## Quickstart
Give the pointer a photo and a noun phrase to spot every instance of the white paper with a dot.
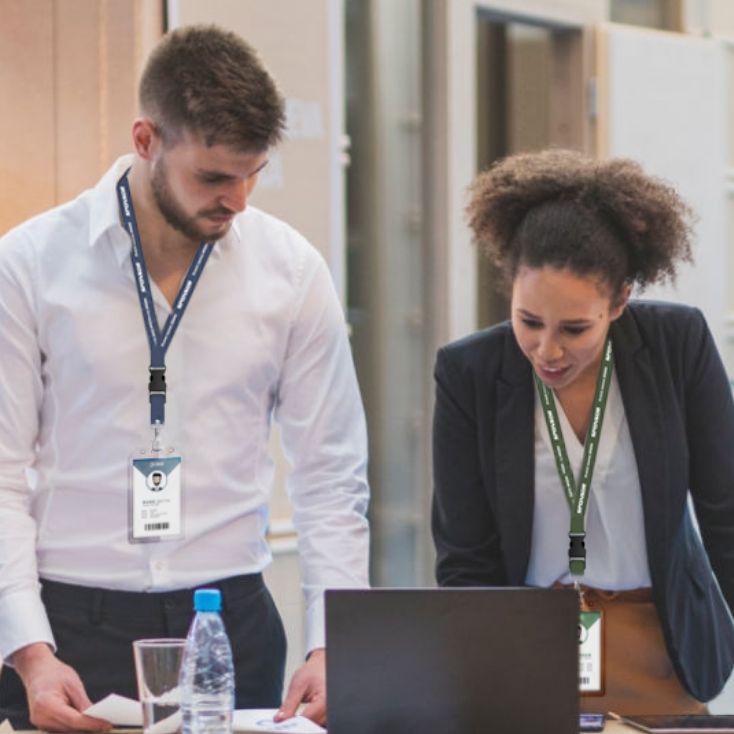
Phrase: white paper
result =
(123, 711)
(6, 727)
(117, 710)
(261, 720)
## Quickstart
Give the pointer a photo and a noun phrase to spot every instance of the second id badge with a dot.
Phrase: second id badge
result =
(591, 650)
(155, 497)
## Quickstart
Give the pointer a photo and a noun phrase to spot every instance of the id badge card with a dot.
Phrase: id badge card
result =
(591, 651)
(155, 497)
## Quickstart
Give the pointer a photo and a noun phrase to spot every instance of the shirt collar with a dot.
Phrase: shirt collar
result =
(104, 213)
(104, 216)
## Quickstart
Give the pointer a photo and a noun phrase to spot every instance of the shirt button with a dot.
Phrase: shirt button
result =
(159, 565)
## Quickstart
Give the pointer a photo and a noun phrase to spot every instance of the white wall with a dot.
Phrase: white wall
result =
(663, 103)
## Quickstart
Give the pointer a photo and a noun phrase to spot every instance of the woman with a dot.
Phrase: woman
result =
(572, 237)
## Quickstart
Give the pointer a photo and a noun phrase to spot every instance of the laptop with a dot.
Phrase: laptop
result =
(452, 661)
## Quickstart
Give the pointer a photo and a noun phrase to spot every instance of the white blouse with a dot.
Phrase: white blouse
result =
(616, 555)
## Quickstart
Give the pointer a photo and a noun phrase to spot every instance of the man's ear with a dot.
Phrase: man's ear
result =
(146, 138)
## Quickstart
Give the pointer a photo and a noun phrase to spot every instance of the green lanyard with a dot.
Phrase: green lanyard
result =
(577, 494)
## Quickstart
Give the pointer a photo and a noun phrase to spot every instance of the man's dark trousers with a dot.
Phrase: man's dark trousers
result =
(94, 630)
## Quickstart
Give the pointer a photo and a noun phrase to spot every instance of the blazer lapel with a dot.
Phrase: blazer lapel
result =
(514, 460)
(640, 396)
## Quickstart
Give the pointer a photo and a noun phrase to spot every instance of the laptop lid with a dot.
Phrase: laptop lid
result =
(452, 661)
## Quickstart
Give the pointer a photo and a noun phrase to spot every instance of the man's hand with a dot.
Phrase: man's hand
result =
(56, 695)
(308, 686)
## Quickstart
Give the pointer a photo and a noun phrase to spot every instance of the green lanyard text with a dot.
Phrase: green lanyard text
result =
(577, 493)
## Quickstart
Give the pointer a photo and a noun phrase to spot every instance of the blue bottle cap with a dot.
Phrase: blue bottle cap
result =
(207, 600)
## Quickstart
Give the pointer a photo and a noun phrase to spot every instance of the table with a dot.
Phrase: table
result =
(611, 727)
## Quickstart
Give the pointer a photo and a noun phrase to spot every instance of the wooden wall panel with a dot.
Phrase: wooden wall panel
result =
(130, 30)
(68, 73)
(78, 71)
(27, 141)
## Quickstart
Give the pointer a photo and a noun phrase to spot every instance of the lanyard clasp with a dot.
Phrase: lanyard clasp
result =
(157, 381)
(577, 552)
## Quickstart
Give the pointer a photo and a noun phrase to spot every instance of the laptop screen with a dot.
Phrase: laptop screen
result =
(452, 661)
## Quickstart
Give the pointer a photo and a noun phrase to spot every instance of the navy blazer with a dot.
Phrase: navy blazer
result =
(680, 413)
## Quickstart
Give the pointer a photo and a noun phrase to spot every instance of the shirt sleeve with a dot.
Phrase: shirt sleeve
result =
(23, 618)
(325, 440)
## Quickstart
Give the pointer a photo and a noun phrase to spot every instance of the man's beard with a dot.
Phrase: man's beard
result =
(173, 212)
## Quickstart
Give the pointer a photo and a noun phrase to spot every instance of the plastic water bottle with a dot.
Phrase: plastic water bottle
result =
(207, 674)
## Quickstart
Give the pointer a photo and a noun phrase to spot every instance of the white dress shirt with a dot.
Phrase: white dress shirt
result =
(263, 338)
(616, 554)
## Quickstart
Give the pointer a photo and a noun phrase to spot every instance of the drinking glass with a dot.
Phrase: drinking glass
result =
(157, 665)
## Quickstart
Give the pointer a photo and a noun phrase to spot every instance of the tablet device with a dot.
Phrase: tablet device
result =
(669, 724)
(591, 722)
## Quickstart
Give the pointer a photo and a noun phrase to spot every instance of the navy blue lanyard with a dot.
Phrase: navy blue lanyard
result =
(158, 341)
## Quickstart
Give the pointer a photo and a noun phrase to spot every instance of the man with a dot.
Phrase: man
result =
(132, 345)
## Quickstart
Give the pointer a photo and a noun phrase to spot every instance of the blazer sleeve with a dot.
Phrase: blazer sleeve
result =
(464, 529)
(710, 435)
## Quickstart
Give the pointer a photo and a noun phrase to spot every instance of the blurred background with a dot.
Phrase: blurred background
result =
(393, 106)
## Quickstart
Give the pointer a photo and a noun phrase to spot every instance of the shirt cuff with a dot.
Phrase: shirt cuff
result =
(23, 621)
(315, 625)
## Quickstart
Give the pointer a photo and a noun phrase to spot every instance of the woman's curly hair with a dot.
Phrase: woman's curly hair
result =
(563, 209)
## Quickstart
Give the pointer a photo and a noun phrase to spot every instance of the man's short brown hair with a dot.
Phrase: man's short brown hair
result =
(209, 82)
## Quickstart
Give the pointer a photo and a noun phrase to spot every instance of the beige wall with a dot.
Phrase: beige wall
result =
(572, 12)
(301, 183)
(708, 16)
(68, 75)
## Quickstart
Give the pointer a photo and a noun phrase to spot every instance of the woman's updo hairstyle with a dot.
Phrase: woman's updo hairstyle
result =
(563, 209)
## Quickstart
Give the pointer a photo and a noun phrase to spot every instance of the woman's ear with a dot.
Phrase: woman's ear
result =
(620, 302)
